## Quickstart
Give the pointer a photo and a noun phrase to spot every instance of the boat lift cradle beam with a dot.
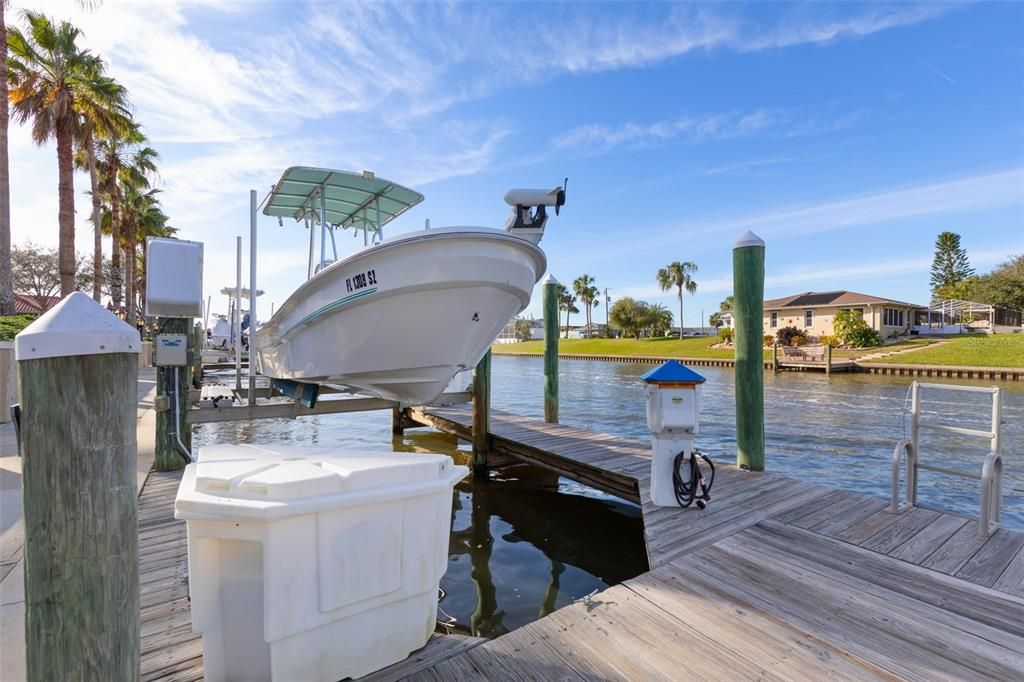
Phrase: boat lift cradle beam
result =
(907, 451)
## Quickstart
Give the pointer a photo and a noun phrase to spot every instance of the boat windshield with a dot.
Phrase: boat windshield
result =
(335, 199)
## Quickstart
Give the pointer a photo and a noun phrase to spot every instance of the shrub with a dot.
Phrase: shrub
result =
(798, 340)
(768, 339)
(830, 340)
(851, 328)
(786, 334)
(725, 333)
(10, 325)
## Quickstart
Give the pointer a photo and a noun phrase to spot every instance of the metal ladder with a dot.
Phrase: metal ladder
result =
(991, 475)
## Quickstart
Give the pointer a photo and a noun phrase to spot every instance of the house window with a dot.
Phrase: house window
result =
(774, 320)
(892, 317)
(808, 318)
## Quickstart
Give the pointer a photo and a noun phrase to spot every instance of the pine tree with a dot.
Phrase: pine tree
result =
(950, 265)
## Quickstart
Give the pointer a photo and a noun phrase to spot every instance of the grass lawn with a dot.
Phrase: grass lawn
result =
(1000, 350)
(695, 347)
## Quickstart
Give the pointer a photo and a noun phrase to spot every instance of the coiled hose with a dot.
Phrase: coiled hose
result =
(687, 491)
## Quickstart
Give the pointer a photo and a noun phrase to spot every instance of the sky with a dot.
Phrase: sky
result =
(846, 135)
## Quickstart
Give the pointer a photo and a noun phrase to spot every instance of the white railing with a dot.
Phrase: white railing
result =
(991, 476)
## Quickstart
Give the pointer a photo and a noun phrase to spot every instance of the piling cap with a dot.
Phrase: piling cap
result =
(672, 372)
(550, 279)
(77, 325)
(748, 238)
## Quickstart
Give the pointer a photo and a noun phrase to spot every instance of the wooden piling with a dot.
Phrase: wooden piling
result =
(828, 360)
(397, 421)
(775, 356)
(166, 454)
(78, 372)
(481, 413)
(550, 349)
(198, 341)
(748, 313)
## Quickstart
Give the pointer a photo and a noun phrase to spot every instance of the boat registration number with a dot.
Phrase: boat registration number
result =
(361, 280)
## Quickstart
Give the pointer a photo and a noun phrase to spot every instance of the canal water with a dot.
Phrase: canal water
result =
(524, 543)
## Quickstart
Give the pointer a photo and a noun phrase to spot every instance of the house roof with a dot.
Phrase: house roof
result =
(811, 299)
(24, 303)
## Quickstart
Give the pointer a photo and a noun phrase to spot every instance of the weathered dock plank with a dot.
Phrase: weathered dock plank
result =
(777, 579)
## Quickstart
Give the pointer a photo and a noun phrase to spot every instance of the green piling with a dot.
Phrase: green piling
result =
(748, 313)
(550, 349)
(166, 454)
(481, 413)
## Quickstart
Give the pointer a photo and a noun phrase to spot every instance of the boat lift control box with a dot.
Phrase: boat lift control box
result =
(174, 278)
(673, 417)
(312, 563)
(170, 350)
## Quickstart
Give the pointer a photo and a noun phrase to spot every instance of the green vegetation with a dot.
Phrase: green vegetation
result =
(852, 330)
(1000, 350)
(10, 325)
(1004, 286)
(694, 347)
(950, 265)
(680, 276)
(633, 317)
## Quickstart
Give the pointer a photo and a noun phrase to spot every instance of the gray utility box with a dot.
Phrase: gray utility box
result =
(171, 350)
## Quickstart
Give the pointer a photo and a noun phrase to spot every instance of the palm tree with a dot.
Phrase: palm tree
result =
(6, 277)
(136, 200)
(587, 293)
(566, 302)
(678, 275)
(51, 78)
(103, 119)
(152, 223)
(114, 153)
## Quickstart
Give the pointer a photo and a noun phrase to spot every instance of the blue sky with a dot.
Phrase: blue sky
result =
(846, 135)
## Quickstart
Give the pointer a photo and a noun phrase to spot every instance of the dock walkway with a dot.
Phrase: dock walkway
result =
(777, 579)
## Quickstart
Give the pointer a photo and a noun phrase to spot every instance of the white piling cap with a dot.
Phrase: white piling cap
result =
(748, 238)
(77, 325)
(550, 279)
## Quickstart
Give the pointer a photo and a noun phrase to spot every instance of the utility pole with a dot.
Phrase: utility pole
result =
(607, 320)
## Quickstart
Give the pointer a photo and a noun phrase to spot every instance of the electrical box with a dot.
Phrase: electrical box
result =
(174, 278)
(171, 350)
(672, 408)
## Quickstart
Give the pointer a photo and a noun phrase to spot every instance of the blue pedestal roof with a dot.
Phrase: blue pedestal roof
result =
(673, 372)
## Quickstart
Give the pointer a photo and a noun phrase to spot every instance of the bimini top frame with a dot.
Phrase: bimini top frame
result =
(338, 199)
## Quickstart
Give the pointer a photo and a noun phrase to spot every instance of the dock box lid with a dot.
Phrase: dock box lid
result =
(229, 481)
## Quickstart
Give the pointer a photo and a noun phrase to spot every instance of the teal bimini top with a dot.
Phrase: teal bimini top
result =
(350, 200)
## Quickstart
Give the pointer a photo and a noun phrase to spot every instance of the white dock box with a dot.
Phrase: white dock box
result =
(314, 563)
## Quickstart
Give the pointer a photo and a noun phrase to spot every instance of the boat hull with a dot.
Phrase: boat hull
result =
(400, 319)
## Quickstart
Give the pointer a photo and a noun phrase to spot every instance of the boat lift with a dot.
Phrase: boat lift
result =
(991, 475)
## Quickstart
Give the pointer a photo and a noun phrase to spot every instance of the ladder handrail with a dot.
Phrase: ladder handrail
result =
(992, 468)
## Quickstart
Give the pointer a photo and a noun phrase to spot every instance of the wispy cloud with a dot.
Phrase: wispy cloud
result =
(989, 190)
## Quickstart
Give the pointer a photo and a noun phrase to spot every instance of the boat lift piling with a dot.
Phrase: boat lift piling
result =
(252, 295)
(481, 414)
(236, 322)
(550, 349)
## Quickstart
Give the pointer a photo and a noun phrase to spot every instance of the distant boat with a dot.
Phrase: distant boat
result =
(400, 317)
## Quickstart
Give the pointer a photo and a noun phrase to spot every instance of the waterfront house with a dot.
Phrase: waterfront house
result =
(814, 311)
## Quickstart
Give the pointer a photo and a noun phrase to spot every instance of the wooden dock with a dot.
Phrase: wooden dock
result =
(777, 579)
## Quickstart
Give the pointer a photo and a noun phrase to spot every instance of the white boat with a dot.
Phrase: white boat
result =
(399, 318)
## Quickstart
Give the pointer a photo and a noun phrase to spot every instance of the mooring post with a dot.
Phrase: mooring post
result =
(481, 413)
(78, 371)
(748, 289)
(775, 356)
(197, 352)
(397, 421)
(550, 349)
(828, 360)
(166, 454)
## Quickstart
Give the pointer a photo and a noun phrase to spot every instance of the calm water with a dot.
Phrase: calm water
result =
(524, 543)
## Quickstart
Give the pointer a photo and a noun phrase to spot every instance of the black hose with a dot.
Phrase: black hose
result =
(687, 491)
